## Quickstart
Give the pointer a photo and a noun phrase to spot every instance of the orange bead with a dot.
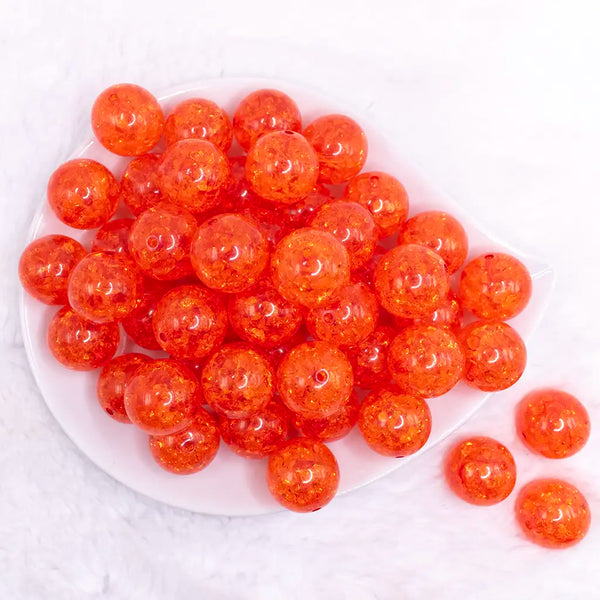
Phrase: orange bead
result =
(347, 317)
(229, 253)
(553, 423)
(139, 183)
(425, 360)
(308, 265)
(191, 174)
(45, 266)
(127, 119)
(262, 112)
(481, 471)
(80, 344)
(440, 232)
(495, 355)
(200, 119)
(411, 281)
(553, 513)
(279, 352)
(495, 286)
(369, 358)
(237, 192)
(113, 237)
(341, 146)
(189, 450)
(393, 423)
(300, 213)
(448, 314)
(162, 397)
(315, 380)
(383, 196)
(83, 193)
(112, 381)
(333, 427)
(303, 475)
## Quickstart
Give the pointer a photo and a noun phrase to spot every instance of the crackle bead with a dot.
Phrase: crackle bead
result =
(341, 146)
(308, 265)
(495, 355)
(300, 213)
(45, 266)
(495, 286)
(552, 423)
(367, 271)
(190, 322)
(229, 253)
(552, 513)
(264, 111)
(162, 397)
(201, 119)
(279, 352)
(139, 184)
(190, 449)
(303, 475)
(393, 423)
(347, 317)
(369, 358)
(481, 471)
(237, 192)
(411, 281)
(83, 193)
(80, 344)
(425, 360)
(332, 428)
(315, 379)
(448, 314)
(127, 119)
(268, 219)
(112, 380)
(113, 237)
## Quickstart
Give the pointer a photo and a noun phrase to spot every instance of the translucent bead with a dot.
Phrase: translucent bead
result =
(139, 184)
(333, 427)
(113, 237)
(369, 358)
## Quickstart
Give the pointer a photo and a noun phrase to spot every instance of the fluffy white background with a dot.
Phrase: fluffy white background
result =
(498, 101)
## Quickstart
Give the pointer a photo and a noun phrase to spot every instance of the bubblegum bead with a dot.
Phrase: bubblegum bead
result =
(308, 265)
(495, 355)
(237, 192)
(229, 253)
(341, 146)
(552, 423)
(369, 358)
(335, 426)
(83, 193)
(303, 475)
(300, 213)
(553, 513)
(315, 380)
(495, 286)
(139, 183)
(45, 266)
(481, 471)
(411, 281)
(127, 119)
(113, 236)
(80, 344)
(448, 314)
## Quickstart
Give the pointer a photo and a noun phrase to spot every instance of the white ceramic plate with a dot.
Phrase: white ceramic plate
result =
(232, 485)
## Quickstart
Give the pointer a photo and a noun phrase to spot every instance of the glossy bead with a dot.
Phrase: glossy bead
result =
(369, 358)
(300, 213)
(268, 219)
(189, 450)
(553, 513)
(279, 352)
(393, 423)
(83, 193)
(191, 174)
(139, 183)
(113, 237)
(160, 240)
(347, 317)
(315, 380)
(45, 266)
(425, 360)
(303, 475)
(190, 322)
(448, 314)
(411, 281)
(552, 423)
(237, 192)
(481, 471)
(495, 286)
(335, 426)
(440, 232)
(495, 355)
(308, 265)
(229, 253)
(341, 146)
(262, 112)
(127, 119)
(201, 119)
(80, 344)
(112, 380)
(367, 271)
(162, 397)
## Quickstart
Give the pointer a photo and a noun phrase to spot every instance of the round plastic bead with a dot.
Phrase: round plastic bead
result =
(113, 237)
(300, 213)
(83, 193)
(127, 119)
(139, 184)
(268, 219)
(369, 358)
(367, 271)
(237, 193)
(552, 423)
(303, 475)
(481, 471)
(45, 266)
(448, 314)
(279, 352)
(333, 427)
